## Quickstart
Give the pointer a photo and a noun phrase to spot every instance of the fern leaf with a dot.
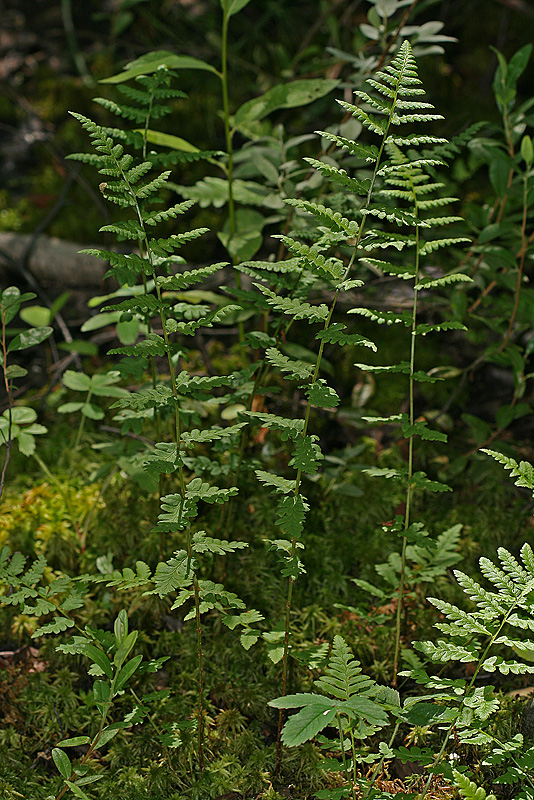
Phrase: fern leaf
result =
(523, 471)
(333, 219)
(340, 176)
(435, 244)
(271, 479)
(291, 512)
(321, 395)
(469, 789)
(170, 213)
(388, 268)
(396, 215)
(384, 317)
(295, 308)
(129, 229)
(153, 186)
(343, 678)
(296, 369)
(307, 456)
(367, 152)
(329, 266)
(373, 123)
(289, 428)
(334, 334)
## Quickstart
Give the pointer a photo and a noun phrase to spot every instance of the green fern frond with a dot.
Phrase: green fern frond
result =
(340, 176)
(295, 308)
(343, 676)
(523, 471)
(368, 153)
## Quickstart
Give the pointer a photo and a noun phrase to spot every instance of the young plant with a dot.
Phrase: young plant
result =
(103, 385)
(171, 396)
(346, 701)
(43, 596)
(484, 636)
(395, 87)
(17, 422)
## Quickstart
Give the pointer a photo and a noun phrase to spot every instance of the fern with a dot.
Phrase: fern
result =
(135, 187)
(345, 693)
(469, 789)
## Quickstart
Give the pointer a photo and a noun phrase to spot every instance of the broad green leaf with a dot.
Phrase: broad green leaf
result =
(247, 239)
(100, 658)
(287, 95)
(75, 742)
(106, 736)
(14, 371)
(81, 346)
(36, 315)
(150, 62)
(91, 411)
(77, 381)
(100, 321)
(70, 408)
(29, 338)
(168, 140)
(126, 672)
(309, 721)
(22, 415)
(62, 762)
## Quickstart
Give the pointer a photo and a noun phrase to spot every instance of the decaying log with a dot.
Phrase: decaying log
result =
(51, 261)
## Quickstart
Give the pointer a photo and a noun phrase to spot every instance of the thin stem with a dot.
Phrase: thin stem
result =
(200, 675)
(229, 150)
(82, 422)
(344, 756)
(8, 440)
(409, 487)
(522, 254)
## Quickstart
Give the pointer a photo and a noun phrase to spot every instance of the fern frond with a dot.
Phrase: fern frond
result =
(374, 124)
(295, 368)
(397, 215)
(295, 308)
(343, 677)
(333, 219)
(523, 471)
(436, 244)
(384, 317)
(340, 176)
(169, 213)
(469, 789)
(289, 428)
(445, 280)
(368, 153)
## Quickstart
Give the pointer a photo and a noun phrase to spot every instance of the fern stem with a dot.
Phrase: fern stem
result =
(409, 487)
(9, 395)
(229, 149)
(81, 426)
(344, 756)
(200, 675)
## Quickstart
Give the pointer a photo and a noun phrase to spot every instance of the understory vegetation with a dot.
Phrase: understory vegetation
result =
(265, 530)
